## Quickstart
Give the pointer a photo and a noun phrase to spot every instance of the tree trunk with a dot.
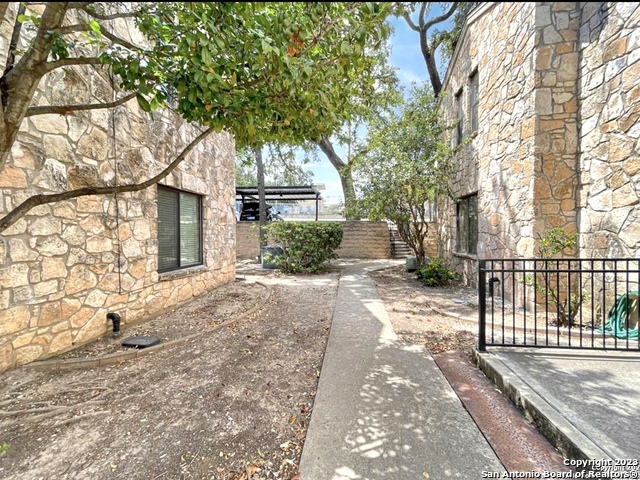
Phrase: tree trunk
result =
(19, 82)
(430, 61)
(346, 179)
(257, 151)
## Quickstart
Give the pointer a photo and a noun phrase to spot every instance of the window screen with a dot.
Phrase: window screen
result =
(179, 229)
(460, 118)
(473, 101)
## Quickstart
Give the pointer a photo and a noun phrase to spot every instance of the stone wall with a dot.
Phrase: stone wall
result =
(65, 265)
(557, 144)
(365, 240)
(247, 241)
(610, 130)
(556, 106)
(498, 161)
(360, 240)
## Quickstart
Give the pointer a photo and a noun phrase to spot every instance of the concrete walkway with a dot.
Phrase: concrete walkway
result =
(383, 409)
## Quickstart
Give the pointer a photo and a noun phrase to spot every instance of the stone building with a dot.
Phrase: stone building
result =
(548, 99)
(65, 265)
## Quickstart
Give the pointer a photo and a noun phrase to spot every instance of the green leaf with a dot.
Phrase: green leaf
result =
(95, 27)
(144, 104)
(206, 57)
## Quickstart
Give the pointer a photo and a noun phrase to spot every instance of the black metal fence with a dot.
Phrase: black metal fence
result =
(561, 303)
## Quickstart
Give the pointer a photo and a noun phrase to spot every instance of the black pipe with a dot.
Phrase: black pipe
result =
(115, 318)
(491, 282)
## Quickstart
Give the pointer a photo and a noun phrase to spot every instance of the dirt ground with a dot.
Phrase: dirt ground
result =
(231, 403)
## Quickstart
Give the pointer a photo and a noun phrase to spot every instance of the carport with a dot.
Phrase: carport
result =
(283, 194)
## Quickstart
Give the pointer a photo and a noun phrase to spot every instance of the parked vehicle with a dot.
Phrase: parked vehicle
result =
(251, 213)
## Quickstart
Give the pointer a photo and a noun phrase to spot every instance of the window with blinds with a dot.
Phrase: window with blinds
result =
(179, 229)
(467, 223)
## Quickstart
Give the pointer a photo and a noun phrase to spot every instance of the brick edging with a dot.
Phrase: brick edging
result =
(114, 358)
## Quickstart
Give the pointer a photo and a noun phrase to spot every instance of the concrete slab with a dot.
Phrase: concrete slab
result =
(383, 409)
(586, 401)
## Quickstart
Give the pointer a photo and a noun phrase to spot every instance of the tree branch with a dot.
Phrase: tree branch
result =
(100, 16)
(326, 146)
(441, 18)
(118, 40)
(67, 62)
(43, 199)
(21, 81)
(84, 27)
(412, 25)
(80, 4)
(64, 109)
(423, 9)
(78, 27)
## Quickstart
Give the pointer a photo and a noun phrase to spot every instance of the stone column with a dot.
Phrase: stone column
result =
(556, 103)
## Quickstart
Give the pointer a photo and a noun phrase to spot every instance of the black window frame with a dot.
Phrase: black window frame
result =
(459, 117)
(467, 225)
(474, 100)
(179, 265)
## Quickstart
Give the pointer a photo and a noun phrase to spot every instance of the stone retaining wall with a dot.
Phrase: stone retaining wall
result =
(360, 240)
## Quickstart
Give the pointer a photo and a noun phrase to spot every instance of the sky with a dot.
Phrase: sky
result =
(407, 58)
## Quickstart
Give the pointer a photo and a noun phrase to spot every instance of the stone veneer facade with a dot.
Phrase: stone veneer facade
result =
(65, 265)
(558, 133)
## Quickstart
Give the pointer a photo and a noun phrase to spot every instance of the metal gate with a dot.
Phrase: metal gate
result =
(560, 303)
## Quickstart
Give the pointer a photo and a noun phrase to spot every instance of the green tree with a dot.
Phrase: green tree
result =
(553, 243)
(351, 136)
(281, 167)
(266, 72)
(407, 166)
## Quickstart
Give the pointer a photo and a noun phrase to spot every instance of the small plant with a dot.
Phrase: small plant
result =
(4, 448)
(308, 246)
(436, 273)
(550, 244)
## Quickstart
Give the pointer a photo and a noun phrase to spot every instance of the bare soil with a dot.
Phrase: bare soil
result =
(232, 403)
(414, 309)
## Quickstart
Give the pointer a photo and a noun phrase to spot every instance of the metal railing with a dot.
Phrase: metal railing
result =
(559, 303)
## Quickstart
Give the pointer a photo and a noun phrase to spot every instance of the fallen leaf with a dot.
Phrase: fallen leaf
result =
(286, 445)
(425, 474)
(293, 418)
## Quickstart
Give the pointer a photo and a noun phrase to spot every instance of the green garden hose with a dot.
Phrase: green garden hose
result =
(623, 317)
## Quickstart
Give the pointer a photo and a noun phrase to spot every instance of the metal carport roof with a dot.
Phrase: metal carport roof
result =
(279, 193)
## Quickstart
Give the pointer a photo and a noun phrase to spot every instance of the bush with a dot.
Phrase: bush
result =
(436, 273)
(308, 246)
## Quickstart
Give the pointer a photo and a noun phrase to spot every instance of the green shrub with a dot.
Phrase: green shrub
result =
(436, 273)
(308, 246)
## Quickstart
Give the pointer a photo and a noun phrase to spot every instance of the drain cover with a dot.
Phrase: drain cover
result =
(140, 342)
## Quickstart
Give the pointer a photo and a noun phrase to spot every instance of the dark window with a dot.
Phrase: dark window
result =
(179, 229)
(467, 220)
(473, 101)
(460, 118)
